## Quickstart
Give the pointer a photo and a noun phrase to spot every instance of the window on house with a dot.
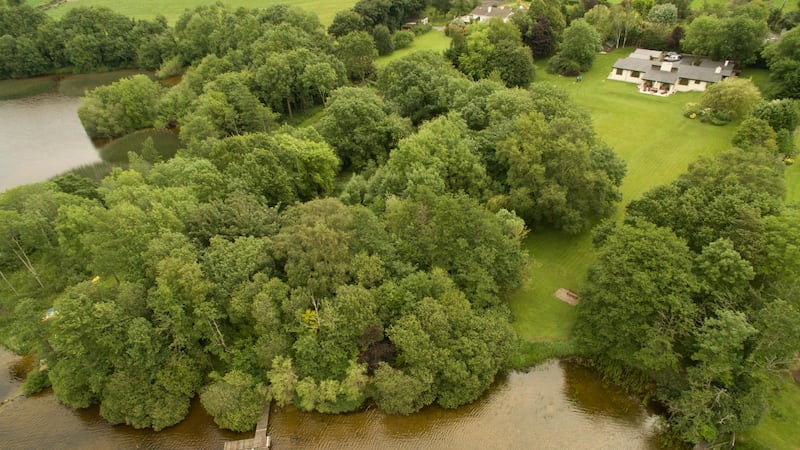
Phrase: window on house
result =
(697, 81)
(619, 71)
(635, 74)
(683, 82)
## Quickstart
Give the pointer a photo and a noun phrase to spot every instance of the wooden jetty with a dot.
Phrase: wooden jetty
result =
(259, 442)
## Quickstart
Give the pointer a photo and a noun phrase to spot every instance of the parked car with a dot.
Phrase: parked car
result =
(672, 57)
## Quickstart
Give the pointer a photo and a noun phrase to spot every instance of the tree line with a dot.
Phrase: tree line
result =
(693, 298)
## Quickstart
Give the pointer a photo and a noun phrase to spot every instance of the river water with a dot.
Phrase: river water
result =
(558, 405)
(41, 137)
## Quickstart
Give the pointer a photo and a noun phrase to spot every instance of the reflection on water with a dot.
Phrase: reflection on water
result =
(40, 137)
(523, 410)
(554, 406)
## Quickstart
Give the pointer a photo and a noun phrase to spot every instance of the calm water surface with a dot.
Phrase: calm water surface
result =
(41, 137)
(558, 405)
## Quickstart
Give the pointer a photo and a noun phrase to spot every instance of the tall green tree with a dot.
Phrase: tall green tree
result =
(357, 51)
(578, 49)
(361, 127)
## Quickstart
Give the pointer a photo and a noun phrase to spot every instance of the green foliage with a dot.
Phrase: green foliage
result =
(36, 381)
(550, 166)
(124, 106)
(493, 49)
(755, 134)
(357, 51)
(734, 97)
(731, 281)
(402, 39)
(360, 126)
(737, 38)
(578, 49)
(235, 401)
(663, 14)
(782, 114)
(419, 84)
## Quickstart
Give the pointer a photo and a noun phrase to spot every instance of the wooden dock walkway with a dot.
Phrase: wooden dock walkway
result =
(261, 440)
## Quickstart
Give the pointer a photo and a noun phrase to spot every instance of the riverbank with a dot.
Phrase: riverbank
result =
(73, 85)
(555, 405)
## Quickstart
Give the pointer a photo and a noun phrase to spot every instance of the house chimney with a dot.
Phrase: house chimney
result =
(490, 9)
(718, 69)
(726, 63)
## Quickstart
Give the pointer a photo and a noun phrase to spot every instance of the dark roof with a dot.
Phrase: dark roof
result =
(661, 76)
(637, 64)
(705, 70)
(643, 53)
(700, 73)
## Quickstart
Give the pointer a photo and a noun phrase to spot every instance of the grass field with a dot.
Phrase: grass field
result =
(779, 427)
(116, 151)
(697, 5)
(148, 9)
(25, 87)
(432, 40)
(658, 144)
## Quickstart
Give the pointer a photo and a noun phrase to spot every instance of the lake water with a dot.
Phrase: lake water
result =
(41, 137)
(558, 405)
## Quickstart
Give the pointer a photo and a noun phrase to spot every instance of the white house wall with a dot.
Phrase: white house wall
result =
(693, 86)
(626, 76)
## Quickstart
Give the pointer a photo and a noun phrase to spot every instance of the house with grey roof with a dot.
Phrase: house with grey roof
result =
(484, 13)
(654, 75)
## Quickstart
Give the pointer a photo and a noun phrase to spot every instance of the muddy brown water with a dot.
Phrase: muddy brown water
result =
(558, 405)
(40, 137)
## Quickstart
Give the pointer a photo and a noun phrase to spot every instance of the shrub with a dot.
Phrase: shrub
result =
(36, 382)
(422, 28)
(402, 39)
(563, 66)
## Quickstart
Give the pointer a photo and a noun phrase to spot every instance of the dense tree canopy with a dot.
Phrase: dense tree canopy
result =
(367, 257)
(701, 342)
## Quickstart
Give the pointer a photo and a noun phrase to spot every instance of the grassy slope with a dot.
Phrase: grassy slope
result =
(779, 427)
(658, 144)
(432, 40)
(148, 9)
(116, 151)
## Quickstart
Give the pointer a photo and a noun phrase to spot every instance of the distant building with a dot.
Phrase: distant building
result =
(485, 13)
(654, 75)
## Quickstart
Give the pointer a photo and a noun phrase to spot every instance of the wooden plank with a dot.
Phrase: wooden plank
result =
(260, 442)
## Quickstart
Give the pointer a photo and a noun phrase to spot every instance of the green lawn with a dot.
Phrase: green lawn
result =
(779, 427)
(697, 5)
(432, 40)
(657, 142)
(148, 9)
(116, 151)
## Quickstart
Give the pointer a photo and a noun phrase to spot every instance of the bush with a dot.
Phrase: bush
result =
(422, 28)
(402, 39)
(706, 115)
(36, 382)
(563, 66)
